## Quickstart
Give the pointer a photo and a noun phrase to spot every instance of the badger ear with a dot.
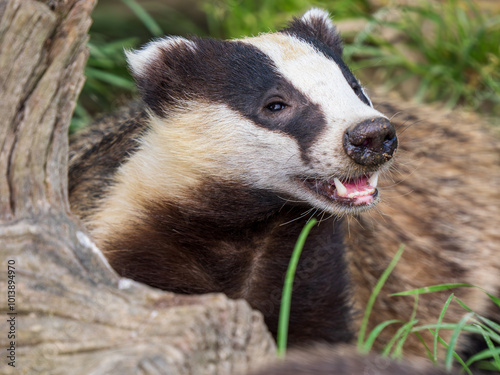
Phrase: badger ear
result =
(157, 69)
(150, 55)
(316, 24)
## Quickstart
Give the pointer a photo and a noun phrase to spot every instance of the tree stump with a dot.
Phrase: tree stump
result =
(64, 310)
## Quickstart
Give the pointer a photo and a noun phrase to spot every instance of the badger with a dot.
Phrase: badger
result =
(205, 184)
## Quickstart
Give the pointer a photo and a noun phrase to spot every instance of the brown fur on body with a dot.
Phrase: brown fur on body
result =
(344, 360)
(440, 202)
(443, 203)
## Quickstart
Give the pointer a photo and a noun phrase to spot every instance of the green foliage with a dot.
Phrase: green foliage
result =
(488, 359)
(286, 298)
(365, 346)
(145, 18)
(239, 18)
(106, 77)
(471, 322)
(108, 82)
(451, 47)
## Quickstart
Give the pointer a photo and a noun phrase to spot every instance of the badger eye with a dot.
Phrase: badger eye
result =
(276, 106)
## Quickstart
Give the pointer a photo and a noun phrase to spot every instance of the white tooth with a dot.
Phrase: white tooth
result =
(341, 190)
(372, 181)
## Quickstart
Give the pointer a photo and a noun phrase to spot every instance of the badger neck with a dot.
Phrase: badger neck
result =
(205, 209)
(239, 241)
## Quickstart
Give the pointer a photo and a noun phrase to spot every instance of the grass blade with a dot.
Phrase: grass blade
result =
(440, 320)
(144, 16)
(375, 293)
(495, 299)
(448, 362)
(493, 352)
(485, 354)
(427, 350)
(491, 324)
(367, 346)
(398, 351)
(397, 338)
(432, 289)
(110, 78)
(286, 297)
(463, 305)
(457, 357)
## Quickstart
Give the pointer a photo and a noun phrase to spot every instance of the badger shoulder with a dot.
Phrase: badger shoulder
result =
(96, 152)
(440, 205)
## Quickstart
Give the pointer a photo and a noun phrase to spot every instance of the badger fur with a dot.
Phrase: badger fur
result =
(205, 185)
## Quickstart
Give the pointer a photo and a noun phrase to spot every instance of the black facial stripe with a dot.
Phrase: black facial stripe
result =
(307, 122)
(234, 73)
(305, 127)
(336, 57)
(316, 29)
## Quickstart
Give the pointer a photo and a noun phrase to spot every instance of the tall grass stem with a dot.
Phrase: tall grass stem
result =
(286, 297)
(373, 297)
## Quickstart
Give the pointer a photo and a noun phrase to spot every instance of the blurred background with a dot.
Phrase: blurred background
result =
(442, 51)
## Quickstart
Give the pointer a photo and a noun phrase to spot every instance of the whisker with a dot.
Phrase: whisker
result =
(314, 213)
(409, 126)
(356, 219)
(322, 216)
(290, 200)
(298, 218)
(394, 115)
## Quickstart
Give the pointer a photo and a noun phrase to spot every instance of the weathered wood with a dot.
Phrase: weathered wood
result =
(74, 314)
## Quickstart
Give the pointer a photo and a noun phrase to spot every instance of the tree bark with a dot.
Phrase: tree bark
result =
(69, 312)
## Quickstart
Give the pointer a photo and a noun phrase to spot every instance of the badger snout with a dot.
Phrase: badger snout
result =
(371, 142)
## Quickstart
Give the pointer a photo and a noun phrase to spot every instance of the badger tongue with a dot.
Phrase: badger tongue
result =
(360, 191)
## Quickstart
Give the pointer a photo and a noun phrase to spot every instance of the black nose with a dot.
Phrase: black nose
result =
(371, 142)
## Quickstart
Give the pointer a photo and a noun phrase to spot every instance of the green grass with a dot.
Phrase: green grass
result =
(107, 79)
(455, 54)
(365, 346)
(451, 47)
(109, 83)
(146, 19)
(286, 297)
(471, 322)
(239, 18)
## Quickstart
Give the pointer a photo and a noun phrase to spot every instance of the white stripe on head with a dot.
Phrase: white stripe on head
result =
(315, 75)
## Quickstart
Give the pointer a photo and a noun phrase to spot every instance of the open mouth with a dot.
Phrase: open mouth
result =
(359, 191)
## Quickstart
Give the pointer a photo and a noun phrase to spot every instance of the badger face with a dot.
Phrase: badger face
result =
(279, 112)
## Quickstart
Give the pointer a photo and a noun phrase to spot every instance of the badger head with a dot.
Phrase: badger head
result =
(279, 112)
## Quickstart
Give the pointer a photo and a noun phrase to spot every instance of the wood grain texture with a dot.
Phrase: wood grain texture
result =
(74, 314)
